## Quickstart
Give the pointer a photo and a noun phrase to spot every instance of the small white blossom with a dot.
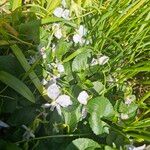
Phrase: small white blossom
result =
(28, 133)
(64, 100)
(60, 68)
(53, 91)
(82, 31)
(61, 101)
(58, 100)
(83, 97)
(58, 34)
(124, 116)
(103, 60)
(66, 14)
(77, 39)
(94, 62)
(129, 99)
(3, 124)
(131, 147)
(57, 31)
(58, 12)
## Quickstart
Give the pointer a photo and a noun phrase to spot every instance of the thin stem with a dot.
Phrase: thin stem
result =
(52, 136)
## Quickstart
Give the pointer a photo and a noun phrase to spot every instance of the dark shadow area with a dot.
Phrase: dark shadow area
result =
(19, 44)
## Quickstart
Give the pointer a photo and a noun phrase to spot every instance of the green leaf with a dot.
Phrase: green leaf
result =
(72, 121)
(8, 146)
(10, 64)
(25, 115)
(98, 126)
(21, 58)
(82, 144)
(16, 4)
(73, 55)
(81, 61)
(17, 85)
(98, 86)
(30, 31)
(62, 48)
(99, 108)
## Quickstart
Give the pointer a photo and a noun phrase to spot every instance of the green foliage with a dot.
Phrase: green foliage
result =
(17, 85)
(100, 108)
(83, 144)
(97, 55)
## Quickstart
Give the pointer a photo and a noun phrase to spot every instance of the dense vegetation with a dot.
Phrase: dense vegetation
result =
(74, 74)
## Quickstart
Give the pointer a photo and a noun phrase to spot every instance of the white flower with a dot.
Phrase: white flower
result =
(61, 101)
(140, 147)
(103, 60)
(77, 39)
(58, 12)
(129, 99)
(64, 100)
(124, 116)
(82, 31)
(57, 31)
(60, 68)
(58, 100)
(28, 133)
(131, 147)
(3, 125)
(58, 34)
(83, 97)
(66, 14)
(94, 62)
(53, 91)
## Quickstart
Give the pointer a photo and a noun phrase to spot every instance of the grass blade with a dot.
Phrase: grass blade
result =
(21, 58)
(17, 85)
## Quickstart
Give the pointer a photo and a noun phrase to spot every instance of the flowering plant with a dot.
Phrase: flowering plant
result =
(74, 74)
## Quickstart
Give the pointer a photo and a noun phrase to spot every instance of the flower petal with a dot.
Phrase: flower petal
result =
(77, 38)
(58, 109)
(60, 68)
(64, 100)
(124, 116)
(94, 62)
(82, 31)
(66, 14)
(83, 97)
(58, 12)
(53, 91)
(103, 60)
